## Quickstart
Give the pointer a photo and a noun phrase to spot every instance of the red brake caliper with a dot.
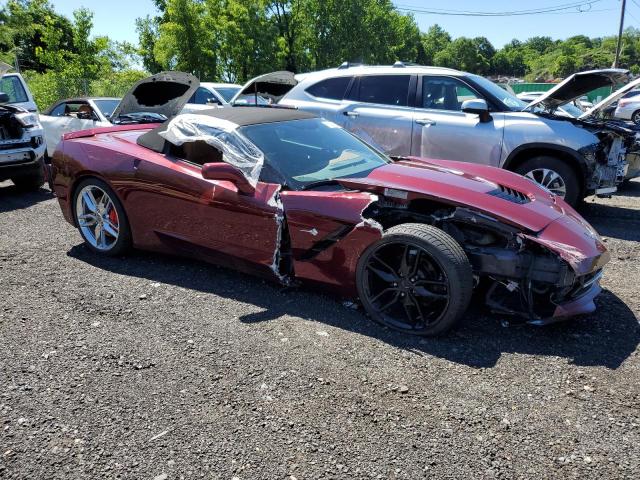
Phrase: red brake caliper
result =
(113, 216)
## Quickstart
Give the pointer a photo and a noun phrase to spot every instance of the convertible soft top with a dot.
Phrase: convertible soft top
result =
(240, 116)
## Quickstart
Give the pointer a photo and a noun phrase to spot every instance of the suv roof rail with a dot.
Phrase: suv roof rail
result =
(344, 65)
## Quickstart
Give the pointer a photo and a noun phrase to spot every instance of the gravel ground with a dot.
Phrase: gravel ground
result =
(154, 367)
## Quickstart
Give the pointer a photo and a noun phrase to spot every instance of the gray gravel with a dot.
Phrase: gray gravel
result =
(154, 367)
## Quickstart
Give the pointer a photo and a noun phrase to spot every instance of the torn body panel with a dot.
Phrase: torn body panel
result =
(328, 233)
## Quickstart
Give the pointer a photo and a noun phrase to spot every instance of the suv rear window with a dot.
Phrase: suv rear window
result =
(385, 89)
(333, 88)
(12, 86)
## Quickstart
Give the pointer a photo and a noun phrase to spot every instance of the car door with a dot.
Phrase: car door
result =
(180, 210)
(63, 118)
(443, 131)
(378, 110)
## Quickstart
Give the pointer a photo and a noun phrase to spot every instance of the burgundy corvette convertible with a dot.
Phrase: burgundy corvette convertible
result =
(286, 195)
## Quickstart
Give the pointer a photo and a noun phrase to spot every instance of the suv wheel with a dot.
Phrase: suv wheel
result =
(553, 174)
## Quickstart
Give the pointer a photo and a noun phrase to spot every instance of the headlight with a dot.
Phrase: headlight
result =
(28, 119)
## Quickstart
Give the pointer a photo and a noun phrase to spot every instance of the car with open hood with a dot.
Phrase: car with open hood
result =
(436, 112)
(606, 112)
(150, 100)
(22, 142)
(297, 199)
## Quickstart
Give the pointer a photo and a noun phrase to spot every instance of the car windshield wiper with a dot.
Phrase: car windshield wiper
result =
(320, 183)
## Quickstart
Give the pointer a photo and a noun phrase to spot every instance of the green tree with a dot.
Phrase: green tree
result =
(184, 42)
(434, 41)
(22, 32)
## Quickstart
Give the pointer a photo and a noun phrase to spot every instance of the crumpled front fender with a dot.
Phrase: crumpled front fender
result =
(575, 242)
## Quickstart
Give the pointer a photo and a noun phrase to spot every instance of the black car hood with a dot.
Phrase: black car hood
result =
(164, 93)
(580, 84)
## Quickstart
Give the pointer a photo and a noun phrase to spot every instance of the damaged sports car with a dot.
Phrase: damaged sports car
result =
(284, 194)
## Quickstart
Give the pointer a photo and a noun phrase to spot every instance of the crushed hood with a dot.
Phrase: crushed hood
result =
(580, 84)
(614, 97)
(271, 86)
(164, 93)
(473, 186)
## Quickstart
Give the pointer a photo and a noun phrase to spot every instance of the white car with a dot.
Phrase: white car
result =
(83, 113)
(628, 107)
(73, 114)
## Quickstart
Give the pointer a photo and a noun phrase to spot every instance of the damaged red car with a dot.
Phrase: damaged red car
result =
(289, 196)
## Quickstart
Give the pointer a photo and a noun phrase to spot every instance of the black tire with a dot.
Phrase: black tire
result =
(635, 117)
(123, 242)
(447, 261)
(30, 182)
(568, 175)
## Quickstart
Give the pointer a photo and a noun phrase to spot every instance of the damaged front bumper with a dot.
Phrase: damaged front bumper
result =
(555, 274)
(605, 170)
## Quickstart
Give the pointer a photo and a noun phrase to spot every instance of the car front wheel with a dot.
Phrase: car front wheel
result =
(101, 218)
(635, 117)
(416, 279)
(555, 175)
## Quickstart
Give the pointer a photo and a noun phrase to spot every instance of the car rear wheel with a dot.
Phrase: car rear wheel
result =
(417, 279)
(553, 174)
(101, 218)
(635, 117)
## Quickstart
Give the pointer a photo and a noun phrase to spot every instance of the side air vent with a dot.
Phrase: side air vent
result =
(510, 195)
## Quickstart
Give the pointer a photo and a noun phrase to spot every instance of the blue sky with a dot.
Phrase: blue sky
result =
(116, 18)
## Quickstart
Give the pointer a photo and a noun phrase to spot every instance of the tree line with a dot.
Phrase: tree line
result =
(234, 40)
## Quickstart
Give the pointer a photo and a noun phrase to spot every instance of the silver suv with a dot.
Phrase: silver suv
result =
(447, 114)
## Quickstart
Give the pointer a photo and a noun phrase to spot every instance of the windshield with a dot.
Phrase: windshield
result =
(572, 110)
(302, 152)
(510, 101)
(107, 106)
(12, 86)
(227, 92)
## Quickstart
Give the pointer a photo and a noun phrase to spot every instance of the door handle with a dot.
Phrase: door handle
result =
(136, 163)
(351, 114)
(425, 121)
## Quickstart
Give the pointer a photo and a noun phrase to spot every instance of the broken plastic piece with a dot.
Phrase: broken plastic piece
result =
(236, 149)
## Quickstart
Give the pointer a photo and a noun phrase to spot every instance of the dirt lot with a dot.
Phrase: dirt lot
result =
(153, 367)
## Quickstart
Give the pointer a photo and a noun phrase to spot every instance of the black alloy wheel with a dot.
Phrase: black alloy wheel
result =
(416, 279)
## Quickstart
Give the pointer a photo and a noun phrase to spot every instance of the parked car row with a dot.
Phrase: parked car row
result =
(377, 182)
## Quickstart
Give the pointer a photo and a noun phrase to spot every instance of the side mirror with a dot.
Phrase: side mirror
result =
(224, 171)
(478, 107)
(4, 98)
(213, 101)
